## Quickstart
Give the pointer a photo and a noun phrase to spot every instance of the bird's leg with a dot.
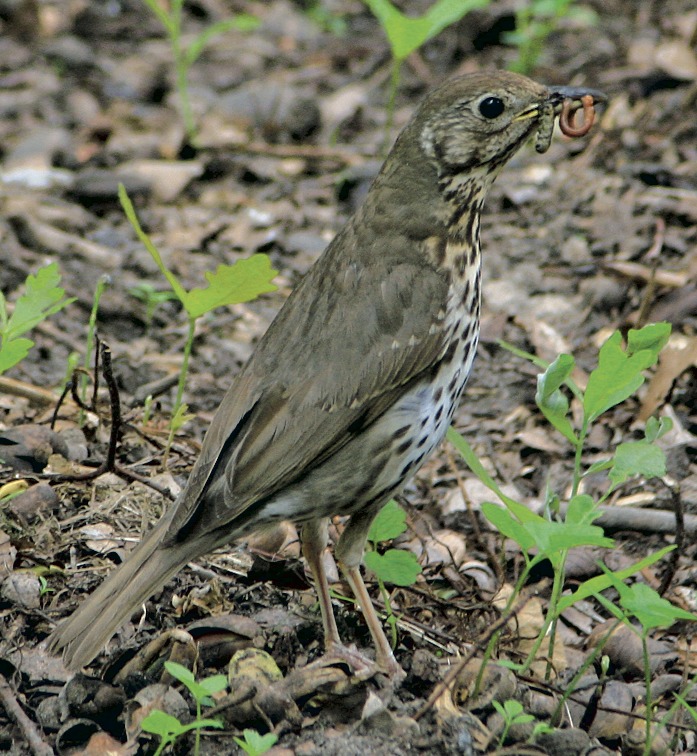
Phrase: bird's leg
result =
(349, 555)
(314, 539)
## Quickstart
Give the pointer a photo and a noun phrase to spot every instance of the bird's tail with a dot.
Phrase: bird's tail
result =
(146, 569)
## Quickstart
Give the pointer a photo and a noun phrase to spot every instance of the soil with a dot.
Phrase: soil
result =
(598, 234)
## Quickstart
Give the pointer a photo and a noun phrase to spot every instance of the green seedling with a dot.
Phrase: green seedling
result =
(42, 298)
(535, 21)
(513, 714)
(651, 611)
(689, 709)
(169, 728)
(72, 364)
(394, 566)
(230, 284)
(180, 418)
(151, 298)
(326, 19)
(44, 587)
(255, 744)
(185, 55)
(619, 374)
(407, 34)
(147, 409)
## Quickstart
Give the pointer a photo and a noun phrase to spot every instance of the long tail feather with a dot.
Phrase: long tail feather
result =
(148, 567)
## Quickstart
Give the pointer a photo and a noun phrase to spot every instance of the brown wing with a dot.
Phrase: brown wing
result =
(372, 330)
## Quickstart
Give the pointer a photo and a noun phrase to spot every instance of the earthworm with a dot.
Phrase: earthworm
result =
(567, 118)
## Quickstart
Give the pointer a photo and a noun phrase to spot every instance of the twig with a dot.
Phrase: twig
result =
(25, 390)
(28, 728)
(644, 520)
(115, 404)
(109, 464)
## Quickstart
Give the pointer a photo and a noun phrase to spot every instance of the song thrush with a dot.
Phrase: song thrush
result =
(356, 380)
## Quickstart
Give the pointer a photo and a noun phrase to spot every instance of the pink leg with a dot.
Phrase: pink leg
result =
(314, 539)
(349, 555)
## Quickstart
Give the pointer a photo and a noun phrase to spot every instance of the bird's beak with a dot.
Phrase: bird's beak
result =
(555, 99)
(564, 102)
(557, 95)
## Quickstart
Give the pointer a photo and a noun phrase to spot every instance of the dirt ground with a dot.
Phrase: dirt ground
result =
(598, 233)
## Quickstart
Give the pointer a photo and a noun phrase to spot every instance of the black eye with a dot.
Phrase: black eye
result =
(491, 107)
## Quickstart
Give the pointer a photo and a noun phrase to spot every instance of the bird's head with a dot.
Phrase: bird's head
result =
(476, 122)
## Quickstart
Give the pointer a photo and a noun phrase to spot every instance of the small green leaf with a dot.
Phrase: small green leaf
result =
(603, 464)
(199, 724)
(389, 523)
(652, 337)
(13, 352)
(581, 510)
(407, 34)
(181, 417)
(394, 566)
(255, 744)
(507, 525)
(637, 458)
(180, 672)
(550, 399)
(657, 428)
(552, 538)
(159, 723)
(232, 284)
(600, 583)
(472, 461)
(512, 708)
(652, 610)
(214, 684)
(220, 27)
(620, 371)
(42, 297)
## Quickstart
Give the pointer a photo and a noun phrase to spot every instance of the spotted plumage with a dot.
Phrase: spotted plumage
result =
(356, 380)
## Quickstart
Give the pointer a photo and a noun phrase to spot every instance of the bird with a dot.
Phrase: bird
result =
(356, 380)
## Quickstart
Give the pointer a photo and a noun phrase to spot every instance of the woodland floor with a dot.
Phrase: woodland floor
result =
(596, 234)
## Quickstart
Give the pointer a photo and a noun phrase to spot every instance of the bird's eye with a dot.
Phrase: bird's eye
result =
(491, 107)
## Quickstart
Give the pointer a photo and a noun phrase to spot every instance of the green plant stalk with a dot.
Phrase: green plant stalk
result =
(391, 619)
(553, 611)
(147, 409)
(679, 701)
(72, 363)
(550, 617)
(647, 683)
(578, 458)
(590, 659)
(182, 72)
(197, 741)
(507, 722)
(188, 346)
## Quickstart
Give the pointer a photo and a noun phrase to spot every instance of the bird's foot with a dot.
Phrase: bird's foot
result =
(362, 667)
